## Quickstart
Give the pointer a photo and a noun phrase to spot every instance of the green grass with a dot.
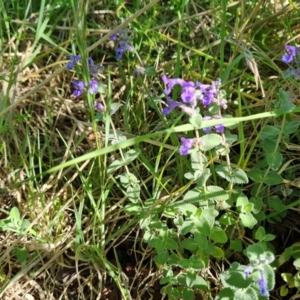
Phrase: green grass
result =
(101, 202)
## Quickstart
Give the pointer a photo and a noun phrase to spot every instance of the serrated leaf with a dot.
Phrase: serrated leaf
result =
(196, 121)
(198, 161)
(235, 176)
(236, 245)
(260, 233)
(187, 208)
(188, 244)
(291, 127)
(218, 253)
(210, 141)
(132, 209)
(248, 220)
(269, 131)
(212, 189)
(274, 160)
(246, 294)
(270, 178)
(161, 258)
(268, 145)
(218, 235)
(228, 219)
(285, 103)
(202, 177)
(129, 156)
(170, 244)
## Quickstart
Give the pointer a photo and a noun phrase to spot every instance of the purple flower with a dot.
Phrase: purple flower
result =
(188, 94)
(119, 53)
(187, 144)
(248, 271)
(206, 129)
(171, 82)
(290, 53)
(220, 128)
(172, 105)
(126, 46)
(99, 106)
(262, 284)
(123, 43)
(79, 87)
(73, 60)
(114, 37)
(93, 68)
(93, 86)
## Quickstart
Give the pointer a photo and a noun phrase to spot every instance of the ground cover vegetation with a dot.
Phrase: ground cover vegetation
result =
(149, 149)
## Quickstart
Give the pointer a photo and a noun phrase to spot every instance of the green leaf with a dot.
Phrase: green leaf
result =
(170, 244)
(216, 193)
(276, 204)
(198, 161)
(114, 107)
(228, 219)
(196, 120)
(133, 209)
(129, 156)
(248, 220)
(270, 237)
(270, 276)
(270, 178)
(15, 215)
(210, 141)
(158, 243)
(285, 103)
(254, 252)
(269, 131)
(241, 199)
(235, 176)
(236, 245)
(150, 71)
(274, 160)
(291, 127)
(246, 294)
(225, 294)
(296, 263)
(190, 279)
(188, 244)
(161, 258)
(187, 294)
(21, 254)
(218, 235)
(202, 177)
(201, 240)
(200, 283)
(269, 145)
(133, 193)
(260, 233)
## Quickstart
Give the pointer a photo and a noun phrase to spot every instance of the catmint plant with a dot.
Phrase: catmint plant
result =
(291, 55)
(193, 95)
(123, 43)
(80, 85)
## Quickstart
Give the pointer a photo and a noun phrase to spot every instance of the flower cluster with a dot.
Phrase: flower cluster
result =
(291, 52)
(261, 282)
(192, 94)
(80, 85)
(123, 41)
